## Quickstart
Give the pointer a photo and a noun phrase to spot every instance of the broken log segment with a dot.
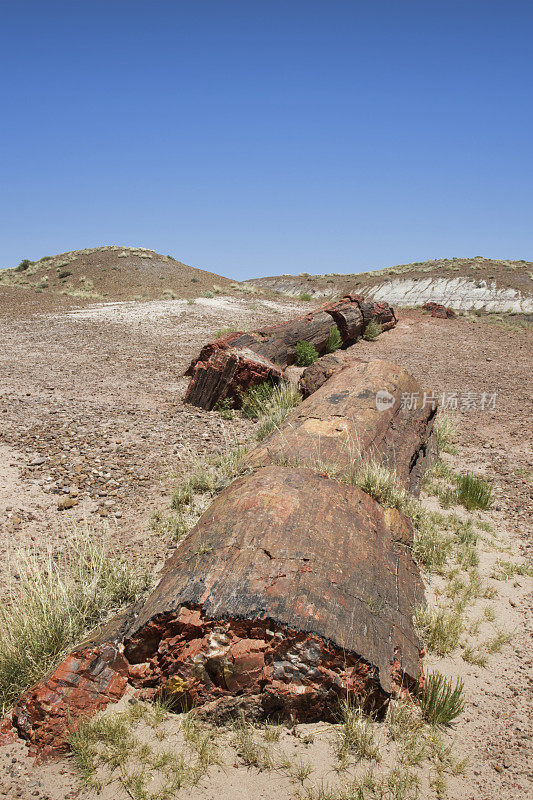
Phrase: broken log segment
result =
(290, 591)
(263, 354)
(358, 414)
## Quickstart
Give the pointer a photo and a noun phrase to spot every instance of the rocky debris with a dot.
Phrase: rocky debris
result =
(440, 311)
(364, 411)
(250, 358)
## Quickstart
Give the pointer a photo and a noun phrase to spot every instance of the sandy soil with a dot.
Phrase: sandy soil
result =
(91, 409)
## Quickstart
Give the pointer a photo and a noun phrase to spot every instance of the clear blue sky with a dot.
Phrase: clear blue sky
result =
(260, 137)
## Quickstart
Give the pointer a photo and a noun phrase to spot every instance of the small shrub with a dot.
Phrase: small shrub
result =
(305, 296)
(334, 340)
(305, 354)
(440, 703)
(64, 273)
(372, 330)
(473, 492)
(208, 294)
(194, 280)
(23, 266)
(225, 331)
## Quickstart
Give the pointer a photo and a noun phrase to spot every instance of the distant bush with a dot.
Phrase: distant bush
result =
(64, 273)
(305, 354)
(334, 340)
(209, 295)
(194, 280)
(372, 330)
(23, 265)
(305, 296)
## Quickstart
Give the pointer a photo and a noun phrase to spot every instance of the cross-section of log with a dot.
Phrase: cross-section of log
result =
(263, 354)
(366, 410)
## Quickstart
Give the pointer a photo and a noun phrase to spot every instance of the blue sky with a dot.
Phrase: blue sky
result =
(255, 138)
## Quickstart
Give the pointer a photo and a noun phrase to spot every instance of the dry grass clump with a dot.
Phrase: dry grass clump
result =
(372, 330)
(445, 429)
(270, 405)
(55, 602)
(440, 628)
(356, 735)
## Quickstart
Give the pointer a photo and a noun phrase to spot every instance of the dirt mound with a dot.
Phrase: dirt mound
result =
(462, 283)
(122, 273)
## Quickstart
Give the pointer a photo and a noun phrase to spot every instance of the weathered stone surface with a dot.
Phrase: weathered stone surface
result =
(315, 376)
(438, 310)
(231, 364)
(357, 413)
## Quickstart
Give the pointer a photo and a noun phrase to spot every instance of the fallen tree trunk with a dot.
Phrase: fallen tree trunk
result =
(365, 411)
(249, 357)
(290, 592)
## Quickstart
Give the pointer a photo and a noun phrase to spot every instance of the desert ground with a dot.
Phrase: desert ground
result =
(92, 412)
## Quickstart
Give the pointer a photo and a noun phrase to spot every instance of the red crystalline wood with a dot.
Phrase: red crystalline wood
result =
(227, 373)
(288, 551)
(362, 412)
(84, 683)
(215, 374)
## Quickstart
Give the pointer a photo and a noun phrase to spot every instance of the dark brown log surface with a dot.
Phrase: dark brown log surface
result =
(342, 422)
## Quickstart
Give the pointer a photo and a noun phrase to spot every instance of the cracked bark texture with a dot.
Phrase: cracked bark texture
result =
(231, 364)
(359, 413)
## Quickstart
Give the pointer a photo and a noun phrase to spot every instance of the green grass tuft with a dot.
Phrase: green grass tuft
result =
(334, 340)
(440, 702)
(473, 492)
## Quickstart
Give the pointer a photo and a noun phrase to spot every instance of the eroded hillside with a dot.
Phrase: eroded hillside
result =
(462, 283)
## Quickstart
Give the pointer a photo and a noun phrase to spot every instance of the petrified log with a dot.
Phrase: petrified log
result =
(274, 348)
(368, 410)
(291, 591)
(440, 311)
